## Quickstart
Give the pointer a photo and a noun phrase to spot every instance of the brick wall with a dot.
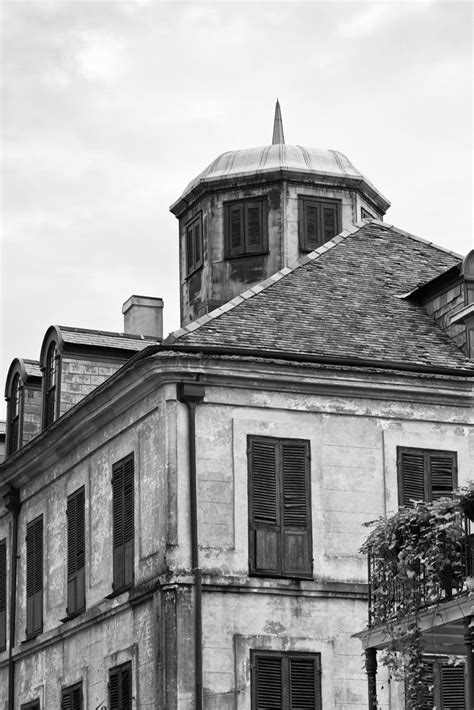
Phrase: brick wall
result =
(444, 305)
(32, 404)
(81, 376)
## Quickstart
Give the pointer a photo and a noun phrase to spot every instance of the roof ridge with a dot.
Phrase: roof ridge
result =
(393, 228)
(132, 336)
(263, 285)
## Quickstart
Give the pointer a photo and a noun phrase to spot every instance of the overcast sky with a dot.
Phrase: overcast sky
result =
(111, 108)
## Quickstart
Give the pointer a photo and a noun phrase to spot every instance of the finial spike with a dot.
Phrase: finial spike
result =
(278, 136)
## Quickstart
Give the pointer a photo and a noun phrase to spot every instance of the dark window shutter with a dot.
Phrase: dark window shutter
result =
(329, 221)
(34, 577)
(264, 524)
(114, 689)
(268, 683)
(76, 551)
(235, 230)
(442, 471)
(311, 238)
(189, 249)
(120, 687)
(411, 473)
(197, 244)
(296, 537)
(123, 523)
(253, 227)
(304, 677)
(453, 688)
(3, 594)
(71, 698)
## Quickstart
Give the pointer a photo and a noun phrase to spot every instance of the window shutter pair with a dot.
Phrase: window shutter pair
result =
(123, 523)
(76, 599)
(34, 577)
(286, 681)
(71, 698)
(446, 686)
(279, 507)
(3, 594)
(120, 687)
(425, 474)
(319, 222)
(245, 228)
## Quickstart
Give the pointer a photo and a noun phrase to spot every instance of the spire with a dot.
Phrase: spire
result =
(278, 136)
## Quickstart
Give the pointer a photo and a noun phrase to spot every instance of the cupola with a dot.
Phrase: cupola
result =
(253, 211)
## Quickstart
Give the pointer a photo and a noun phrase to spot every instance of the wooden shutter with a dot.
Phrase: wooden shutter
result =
(189, 249)
(253, 227)
(411, 476)
(235, 230)
(34, 577)
(329, 219)
(76, 551)
(296, 510)
(286, 681)
(3, 594)
(123, 523)
(197, 244)
(120, 687)
(453, 688)
(442, 473)
(304, 680)
(264, 493)
(71, 698)
(268, 683)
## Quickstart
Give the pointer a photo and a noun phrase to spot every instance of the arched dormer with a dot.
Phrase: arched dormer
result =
(50, 363)
(23, 395)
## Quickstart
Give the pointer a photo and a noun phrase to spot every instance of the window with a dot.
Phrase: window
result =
(3, 594)
(50, 385)
(34, 577)
(279, 507)
(194, 244)
(425, 474)
(445, 685)
(286, 681)
(71, 698)
(76, 599)
(123, 523)
(120, 687)
(319, 221)
(245, 228)
(14, 416)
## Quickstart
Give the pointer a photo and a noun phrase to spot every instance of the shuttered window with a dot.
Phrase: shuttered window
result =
(245, 230)
(120, 687)
(194, 244)
(51, 386)
(3, 594)
(71, 698)
(286, 681)
(76, 598)
(425, 474)
(13, 439)
(445, 685)
(34, 577)
(279, 507)
(123, 523)
(319, 221)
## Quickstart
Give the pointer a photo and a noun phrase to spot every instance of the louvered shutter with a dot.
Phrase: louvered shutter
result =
(3, 594)
(235, 230)
(197, 244)
(189, 249)
(310, 227)
(304, 683)
(253, 227)
(123, 523)
(120, 687)
(296, 511)
(71, 698)
(453, 688)
(117, 515)
(411, 476)
(34, 577)
(268, 683)
(66, 699)
(329, 221)
(264, 524)
(129, 521)
(114, 689)
(442, 471)
(77, 698)
(76, 551)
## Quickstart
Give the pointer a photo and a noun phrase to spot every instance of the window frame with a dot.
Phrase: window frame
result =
(34, 575)
(76, 552)
(286, 658)
(427, 479)
(3, 594)
(193, 263)
(51, 385)
(119, 671)
(123, 542)
(242, 206)
(276, 533)
(305, 201)
(15, 406)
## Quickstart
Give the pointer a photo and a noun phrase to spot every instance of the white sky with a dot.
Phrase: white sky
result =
(111, 108)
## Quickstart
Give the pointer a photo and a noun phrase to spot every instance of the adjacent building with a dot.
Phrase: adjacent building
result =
(182, 528)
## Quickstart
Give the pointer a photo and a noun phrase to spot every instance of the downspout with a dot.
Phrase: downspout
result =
(12, 503)
(191, 393)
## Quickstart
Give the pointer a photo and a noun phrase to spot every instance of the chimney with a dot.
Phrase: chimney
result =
(143, 315)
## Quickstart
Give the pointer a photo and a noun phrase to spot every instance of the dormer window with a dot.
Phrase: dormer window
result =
(245, 228)
(50, 385)
(13, 441)
(319, 221)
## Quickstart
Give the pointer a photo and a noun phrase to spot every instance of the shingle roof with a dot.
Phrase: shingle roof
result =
(104, 339)
(32, 368)
(345, 300)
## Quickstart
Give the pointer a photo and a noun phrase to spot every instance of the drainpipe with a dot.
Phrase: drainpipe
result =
(191, 393)
(12, 503)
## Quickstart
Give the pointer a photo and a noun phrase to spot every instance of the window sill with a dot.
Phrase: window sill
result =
(247, 255)
(118, 592)
(69, 617)
(193, 271)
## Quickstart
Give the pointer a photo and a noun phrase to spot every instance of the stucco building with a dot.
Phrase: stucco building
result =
(182, 528)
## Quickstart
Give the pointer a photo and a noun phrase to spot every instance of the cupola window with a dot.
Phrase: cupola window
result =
(50, 392)
(194, 245)
(245, 227)
(14, 416)
(319, 221)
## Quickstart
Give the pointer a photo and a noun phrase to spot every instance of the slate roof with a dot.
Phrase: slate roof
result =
(32, 368)
(104, 339)
(346, 300)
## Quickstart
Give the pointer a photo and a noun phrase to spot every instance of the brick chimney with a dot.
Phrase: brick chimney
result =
(143, 315)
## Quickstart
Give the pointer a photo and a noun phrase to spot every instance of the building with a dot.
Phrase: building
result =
(184, 531)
